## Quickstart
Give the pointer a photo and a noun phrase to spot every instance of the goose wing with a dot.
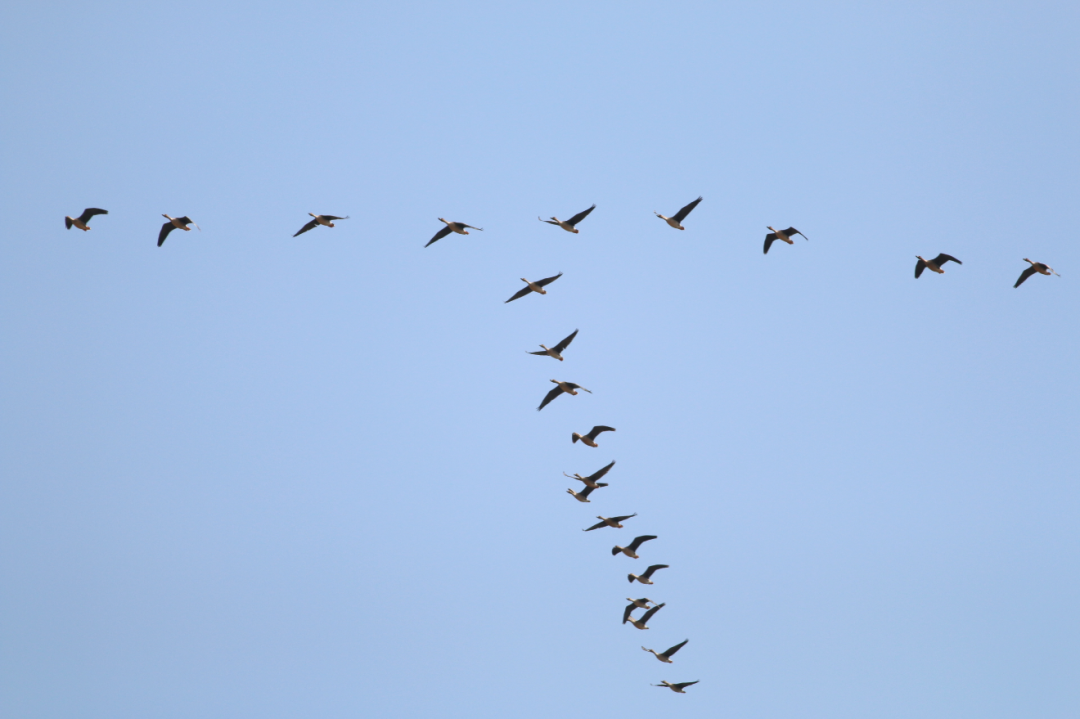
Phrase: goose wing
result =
(943, 258)
(580, 216)
(462, 225)
(185, 220)
(517, 295)
(90, 212)
(165, 230)
(1024, 275)
(620, 519)
(652, 568)
(597, 430)
(550, 396)
(439, 235)
(675, 648)
(769, 239)
(681, 214)
(601, 472)
(550, 222)
(683, 685)
(305, 228)
(547, 280)
(792, 231)
(332, 218)
(595, 526)
(626, 612)
(565, 343)
(638, 541)
(648, 615)
(571, 385)
(919, 267)
(588, 490)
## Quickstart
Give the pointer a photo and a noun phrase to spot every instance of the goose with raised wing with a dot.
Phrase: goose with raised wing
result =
(1041, 268)
(568, 225)
(583, 495)
(934, 265)
(590, 481)
(324, 220)
(590, 438)
(631, 549)
(677, 688)
(640, 621)
(646, 577)
(174, 223)
(634, 604)
(82, 219)
(676, 219)
(782, 235)
(560, 387)
(458, 227)
(537, 286)
(613, 522)
(558, 349)
(665, 656)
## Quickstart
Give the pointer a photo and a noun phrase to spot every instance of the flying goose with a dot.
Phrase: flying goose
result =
(934, 264)
(645, 578)
(558, 349)
(590, 481)
(676, 219)
(458, 227)
(631, 549)
(82, 219)
(677, 688)
(609, 522)
(583, 495)
(568, 225)
(665, 656)
(560, 387)
(537, 286)
(1041, 268)
(634, 604)
(784, 235)
(325, 220)
(174, 223)
(590, 438)
(640, 622)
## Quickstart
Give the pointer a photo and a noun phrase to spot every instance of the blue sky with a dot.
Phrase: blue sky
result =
(251, 475)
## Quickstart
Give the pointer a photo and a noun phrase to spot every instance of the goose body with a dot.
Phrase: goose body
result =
(934, 265)
(613, 522)
(1040, 267)
(590, 438)
(568, 225)
(631, 549)
(583, 495)
(666, 655)
(590, 481)
(560, 387)
(677, 688)
(174, 223)
(782, 235)
(537, 286)
(676, 219)
(558, 349)
(646, 576)
(324, 220)
(82, 220)
(458, 227)
(640, 622)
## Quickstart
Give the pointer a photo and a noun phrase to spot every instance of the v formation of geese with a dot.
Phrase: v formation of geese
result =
(589, 439)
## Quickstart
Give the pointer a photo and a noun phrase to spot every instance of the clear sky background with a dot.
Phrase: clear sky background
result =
(246, 475)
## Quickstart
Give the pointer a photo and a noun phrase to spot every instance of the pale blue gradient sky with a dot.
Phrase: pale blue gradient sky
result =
(245, 475)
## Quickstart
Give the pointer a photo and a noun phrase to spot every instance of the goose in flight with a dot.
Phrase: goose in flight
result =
(646, 577)
(613, 522)
(665, 656)
(677, 688)
(590, 438)
(784, 235)
(631, 549)
(325, 220)
(1041, 268)
(82, 219)
(590, 481)
(568, 225)
(174, 223)
(676, 219)
(640, 622)
(634, 604)
(458, 227)
(934, 264)
(583, 495)
(558, 349)
(537, 286)
(560, 387)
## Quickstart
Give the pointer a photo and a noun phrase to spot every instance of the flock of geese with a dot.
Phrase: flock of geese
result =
(556, 351)
(182, 223)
